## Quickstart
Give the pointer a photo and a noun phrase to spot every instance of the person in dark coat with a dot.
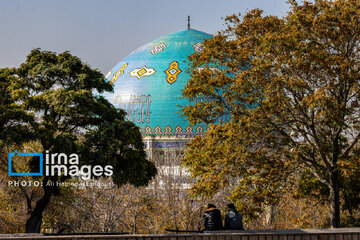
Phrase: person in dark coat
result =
(233, 219)
(212, 218)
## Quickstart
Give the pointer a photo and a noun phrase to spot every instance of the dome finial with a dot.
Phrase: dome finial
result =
(189, 22)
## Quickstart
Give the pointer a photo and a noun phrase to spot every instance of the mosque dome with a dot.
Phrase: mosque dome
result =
(148, 83)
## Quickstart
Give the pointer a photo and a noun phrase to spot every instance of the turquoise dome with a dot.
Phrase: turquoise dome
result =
(148, 83)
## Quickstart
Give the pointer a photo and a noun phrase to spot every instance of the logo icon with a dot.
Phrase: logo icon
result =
(16, 154)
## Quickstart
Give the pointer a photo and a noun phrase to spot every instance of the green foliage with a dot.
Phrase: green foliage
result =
(53, 96)
(310, 186)
(291, 86)
(11, 114)
(119, 144)
(71, 119)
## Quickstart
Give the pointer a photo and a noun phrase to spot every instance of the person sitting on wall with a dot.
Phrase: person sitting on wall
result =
(212, 218)
(233, 219)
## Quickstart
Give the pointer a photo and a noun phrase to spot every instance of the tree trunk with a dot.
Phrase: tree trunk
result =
(334, 200)
(33, 224)
(269, 215)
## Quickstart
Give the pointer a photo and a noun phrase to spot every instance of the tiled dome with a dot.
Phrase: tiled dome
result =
(148, 82)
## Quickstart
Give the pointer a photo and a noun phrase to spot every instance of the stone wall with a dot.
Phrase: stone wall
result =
(296, 234)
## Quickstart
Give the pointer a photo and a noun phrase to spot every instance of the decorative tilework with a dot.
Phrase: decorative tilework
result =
(178, 129)
(142, 72)
(167, 130)
(148, 102)
(158, 48)
(199, 47)
(108, 74)
(157, 129)
(172, 72)
(199, 129)
(147, 130)
(169, 144)
(118, 73)
(199, 69)
(152, 100)
(188, 129)
(137, 107)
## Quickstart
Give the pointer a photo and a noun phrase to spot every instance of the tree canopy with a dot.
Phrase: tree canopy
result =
(60, 96)
(291, 86)
(12, 116)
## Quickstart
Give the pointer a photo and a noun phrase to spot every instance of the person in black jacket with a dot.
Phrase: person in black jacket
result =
(233, 219)
(212, 218)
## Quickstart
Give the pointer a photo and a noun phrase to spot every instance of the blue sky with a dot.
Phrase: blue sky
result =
(102, 32)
